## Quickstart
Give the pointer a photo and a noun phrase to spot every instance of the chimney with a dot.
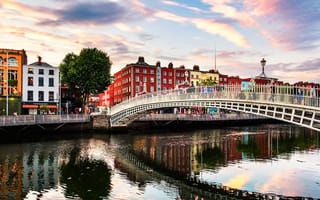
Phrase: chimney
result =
(39, 60)
(158, 64)
(181, 66)
(170, 65)
(141, 59)
(196, 68)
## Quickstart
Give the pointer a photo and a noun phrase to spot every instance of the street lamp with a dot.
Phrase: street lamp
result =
(263, 63)
(186, 74)
(7, 88)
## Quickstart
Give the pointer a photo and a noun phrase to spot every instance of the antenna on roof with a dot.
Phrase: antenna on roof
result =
(215, 59)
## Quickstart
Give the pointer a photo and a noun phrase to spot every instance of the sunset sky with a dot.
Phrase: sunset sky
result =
(185, 32)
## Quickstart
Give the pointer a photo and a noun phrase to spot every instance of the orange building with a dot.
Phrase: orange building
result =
(11, 62)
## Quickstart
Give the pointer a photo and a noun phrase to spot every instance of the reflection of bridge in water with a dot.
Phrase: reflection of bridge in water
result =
(180, 163)
(281, 103)
(190, 187)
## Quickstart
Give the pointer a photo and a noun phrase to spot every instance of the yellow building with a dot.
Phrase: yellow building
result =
(11, 62)
(198, 76)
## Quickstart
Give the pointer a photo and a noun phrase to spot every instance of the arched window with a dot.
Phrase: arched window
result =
(1, 61)
(12, 62)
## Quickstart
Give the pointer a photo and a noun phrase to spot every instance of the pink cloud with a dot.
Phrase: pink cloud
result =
(170, 16)
(26, 10)
(223, 29)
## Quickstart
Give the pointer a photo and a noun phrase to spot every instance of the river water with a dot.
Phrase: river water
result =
(270, 159)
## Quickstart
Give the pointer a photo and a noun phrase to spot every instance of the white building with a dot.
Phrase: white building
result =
(40, 88)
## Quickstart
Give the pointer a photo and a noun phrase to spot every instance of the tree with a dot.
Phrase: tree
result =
(89, 72)
(208, 82)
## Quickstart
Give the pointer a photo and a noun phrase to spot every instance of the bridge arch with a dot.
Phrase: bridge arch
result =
(280, 106)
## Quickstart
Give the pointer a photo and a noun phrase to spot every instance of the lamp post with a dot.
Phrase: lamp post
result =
(263, 63)
(186, 74)
(7, 88)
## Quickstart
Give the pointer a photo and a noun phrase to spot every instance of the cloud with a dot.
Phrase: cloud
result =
(89, 13)
(39, 12)
(222, 29)
(126, 28)
(279, 22)
(170, 16)
(172, 3)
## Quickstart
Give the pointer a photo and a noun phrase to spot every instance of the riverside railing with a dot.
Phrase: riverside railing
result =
(20, 120)
(200, 117)
(277, 94)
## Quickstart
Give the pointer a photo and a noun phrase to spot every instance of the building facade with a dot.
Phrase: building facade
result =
(11, 62)
(41, 89)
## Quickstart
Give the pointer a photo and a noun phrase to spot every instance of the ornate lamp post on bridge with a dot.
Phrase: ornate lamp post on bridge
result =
(263, 63)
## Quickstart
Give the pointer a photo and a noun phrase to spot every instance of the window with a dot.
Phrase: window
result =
(137, 88)
(197, 76)
(144, 79)
(30, 81)
(225, 79)
(30, 95)
(1, 74)
(40, 71)
(13, 74)
(51, 80)
(191, 75)
(170, 73)
(178, 74)
(40, 96)
(51, 96)
(1, 90)
(51, 72)
(178, 82)
(12, 62)
(151, 80)
(137, 70)
(164, 89)
(164, 81)
(151, 71)
(182, 74)
(164, 73)
(144, 71)
(220, 79)
(170, 81)
(137, 78)
(40, 81)
(30, 70)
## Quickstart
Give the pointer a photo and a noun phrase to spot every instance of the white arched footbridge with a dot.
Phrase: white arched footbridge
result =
(294, 105)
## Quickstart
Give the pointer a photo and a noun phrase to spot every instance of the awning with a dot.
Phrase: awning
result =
(39, 106)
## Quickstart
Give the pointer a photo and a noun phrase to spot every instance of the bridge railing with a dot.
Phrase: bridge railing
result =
(200, 117)
(303, 96)
(41, 119)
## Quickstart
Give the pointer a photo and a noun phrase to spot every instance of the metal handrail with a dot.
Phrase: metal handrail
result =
(277, 94)
(19, 120)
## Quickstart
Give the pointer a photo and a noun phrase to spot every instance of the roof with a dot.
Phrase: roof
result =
(42, 64)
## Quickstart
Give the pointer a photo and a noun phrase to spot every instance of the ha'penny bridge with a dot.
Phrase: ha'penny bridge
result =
(295, 105)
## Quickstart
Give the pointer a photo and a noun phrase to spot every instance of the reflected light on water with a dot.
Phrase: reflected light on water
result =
(238, 181)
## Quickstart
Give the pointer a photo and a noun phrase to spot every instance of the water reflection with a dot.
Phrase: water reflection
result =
(277, 159)
(253, 159)
(85, 178)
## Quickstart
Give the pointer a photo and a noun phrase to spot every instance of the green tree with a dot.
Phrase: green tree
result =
(89, 72)
(208, 82)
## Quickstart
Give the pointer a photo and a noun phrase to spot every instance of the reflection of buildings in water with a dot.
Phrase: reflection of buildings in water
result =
(40, 170)
(131, 171)
(176, 157)
(33, 170)
(11, 178)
